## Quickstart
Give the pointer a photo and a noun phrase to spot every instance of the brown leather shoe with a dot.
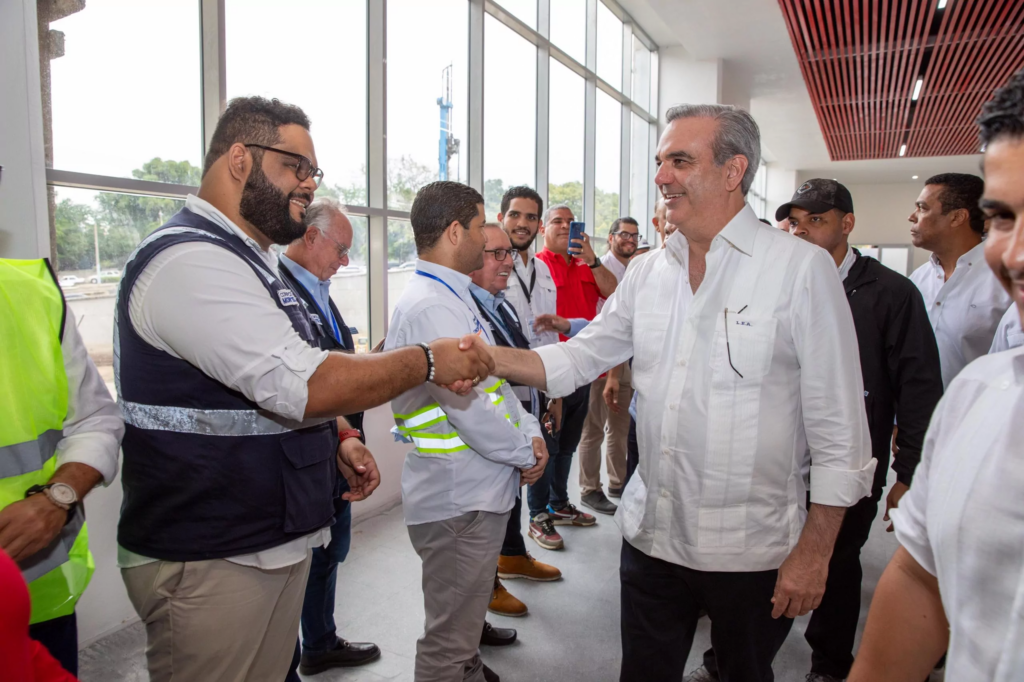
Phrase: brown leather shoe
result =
(504, 604)
(511, 567)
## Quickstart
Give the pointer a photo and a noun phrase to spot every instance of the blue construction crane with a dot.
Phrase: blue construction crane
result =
(447, 146)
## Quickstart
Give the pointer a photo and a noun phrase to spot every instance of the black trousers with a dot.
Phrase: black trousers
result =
(632, 452)
(60, 637)
(833, 624)
(661, 603)
(514, 545)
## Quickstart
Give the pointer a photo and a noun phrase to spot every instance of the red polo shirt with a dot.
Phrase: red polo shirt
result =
(577, 289)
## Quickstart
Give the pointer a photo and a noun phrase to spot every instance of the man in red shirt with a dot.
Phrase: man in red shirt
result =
(581, 280)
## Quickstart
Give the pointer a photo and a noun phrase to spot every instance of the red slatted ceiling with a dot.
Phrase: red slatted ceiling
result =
(861, 59)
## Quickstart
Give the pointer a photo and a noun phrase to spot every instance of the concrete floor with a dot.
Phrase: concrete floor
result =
(571, 632)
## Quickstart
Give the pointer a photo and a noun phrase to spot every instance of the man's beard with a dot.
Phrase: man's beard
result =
(521, 246)
(269, 209)
(620, 252)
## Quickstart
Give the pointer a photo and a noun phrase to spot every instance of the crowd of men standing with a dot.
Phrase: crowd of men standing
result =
(771, 381)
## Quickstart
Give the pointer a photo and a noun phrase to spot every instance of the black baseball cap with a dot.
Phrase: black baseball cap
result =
(818, 196)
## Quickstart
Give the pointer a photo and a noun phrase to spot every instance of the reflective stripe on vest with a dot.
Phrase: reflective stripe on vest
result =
(443, 439)
(24, 458)
(210, 422)
(34, 402)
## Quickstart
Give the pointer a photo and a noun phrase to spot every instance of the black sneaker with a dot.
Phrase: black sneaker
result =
(493, 636)
(597, 501)
(343, 655)
(614, 492)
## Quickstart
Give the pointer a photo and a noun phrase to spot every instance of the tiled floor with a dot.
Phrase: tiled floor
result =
(571, 632)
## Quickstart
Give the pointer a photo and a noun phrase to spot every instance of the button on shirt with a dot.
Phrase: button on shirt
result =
(542, 300)
(201, 303)
(964, 311)
(578, 292)
(963, 522)
(1009, 333)
(721, 484)
(484, 477)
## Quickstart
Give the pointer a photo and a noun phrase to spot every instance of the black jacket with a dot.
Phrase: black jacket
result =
(322, 331)
(899, 360)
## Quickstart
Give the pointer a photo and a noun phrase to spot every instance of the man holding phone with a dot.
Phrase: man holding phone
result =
(581, 281)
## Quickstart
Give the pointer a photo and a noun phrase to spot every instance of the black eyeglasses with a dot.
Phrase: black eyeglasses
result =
(305, 168)
(499, 254)
(728, 350)
(338, 246)
(628, 236)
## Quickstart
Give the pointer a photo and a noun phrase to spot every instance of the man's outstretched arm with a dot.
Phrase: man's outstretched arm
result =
(907, 631)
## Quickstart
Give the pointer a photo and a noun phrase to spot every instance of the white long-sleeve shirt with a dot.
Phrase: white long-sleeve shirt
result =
(964, 311)
(724, 458)
(962, 519)
(1008, 333)
(93, 427)
(543, 298)
(484, 477)
(203, 304)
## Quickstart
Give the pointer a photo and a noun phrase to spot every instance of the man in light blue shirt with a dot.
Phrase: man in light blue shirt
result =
(471, 453)
(307, 266)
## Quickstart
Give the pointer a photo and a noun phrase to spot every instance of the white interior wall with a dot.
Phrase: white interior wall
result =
(685, 80)
(24, 224)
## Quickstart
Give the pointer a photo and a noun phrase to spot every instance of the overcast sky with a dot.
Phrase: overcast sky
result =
(128, 87)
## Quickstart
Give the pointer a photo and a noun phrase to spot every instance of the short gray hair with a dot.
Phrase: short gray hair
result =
(737, 135)
(558, 207)
(320, 212)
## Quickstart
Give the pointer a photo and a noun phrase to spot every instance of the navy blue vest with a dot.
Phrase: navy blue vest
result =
(207, 473)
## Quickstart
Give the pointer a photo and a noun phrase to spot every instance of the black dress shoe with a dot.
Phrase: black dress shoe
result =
(493, 636)
(490, 675)
(343, 655)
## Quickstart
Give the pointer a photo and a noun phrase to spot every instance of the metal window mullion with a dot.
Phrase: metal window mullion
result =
(376, 165)
(475, 111)
(652, 189)
(214, 66)
(590, 121)
(543, 100)
(626, 121)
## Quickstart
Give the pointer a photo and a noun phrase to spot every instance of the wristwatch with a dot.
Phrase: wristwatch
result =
(349, 433)
(60, 494)
(597, 263)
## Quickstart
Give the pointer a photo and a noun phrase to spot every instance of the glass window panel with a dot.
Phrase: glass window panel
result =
(111, 89)
(609, 46)
(510, 105)
(111, 224)
(401, 259)
(638, 169)
(641, 77)
(335, 103)
(867, 250)
(565, 155)
(654, 83)
(606, 184)
(524, 10)
(349, 286)
(425, 39)
(569, 27)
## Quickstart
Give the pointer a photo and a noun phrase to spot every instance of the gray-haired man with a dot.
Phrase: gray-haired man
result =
(746, 364)
(308, 266)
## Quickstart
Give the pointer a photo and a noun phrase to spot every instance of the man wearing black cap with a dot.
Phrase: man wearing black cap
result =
(902, 378)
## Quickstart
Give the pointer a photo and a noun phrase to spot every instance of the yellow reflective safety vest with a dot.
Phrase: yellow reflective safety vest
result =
(33, 405)
(431, 432)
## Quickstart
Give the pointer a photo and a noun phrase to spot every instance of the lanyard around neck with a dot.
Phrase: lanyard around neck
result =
(479, 326)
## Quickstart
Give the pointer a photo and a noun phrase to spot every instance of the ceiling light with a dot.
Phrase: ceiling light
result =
(913, 177)
(917, 88)
(903, 150)
(942, 4)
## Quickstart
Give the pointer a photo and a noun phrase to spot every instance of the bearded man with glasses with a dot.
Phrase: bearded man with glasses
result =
(232, 447)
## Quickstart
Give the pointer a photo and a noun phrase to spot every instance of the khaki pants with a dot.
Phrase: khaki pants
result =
(601, 421)
(218, 621)
(458, 557)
